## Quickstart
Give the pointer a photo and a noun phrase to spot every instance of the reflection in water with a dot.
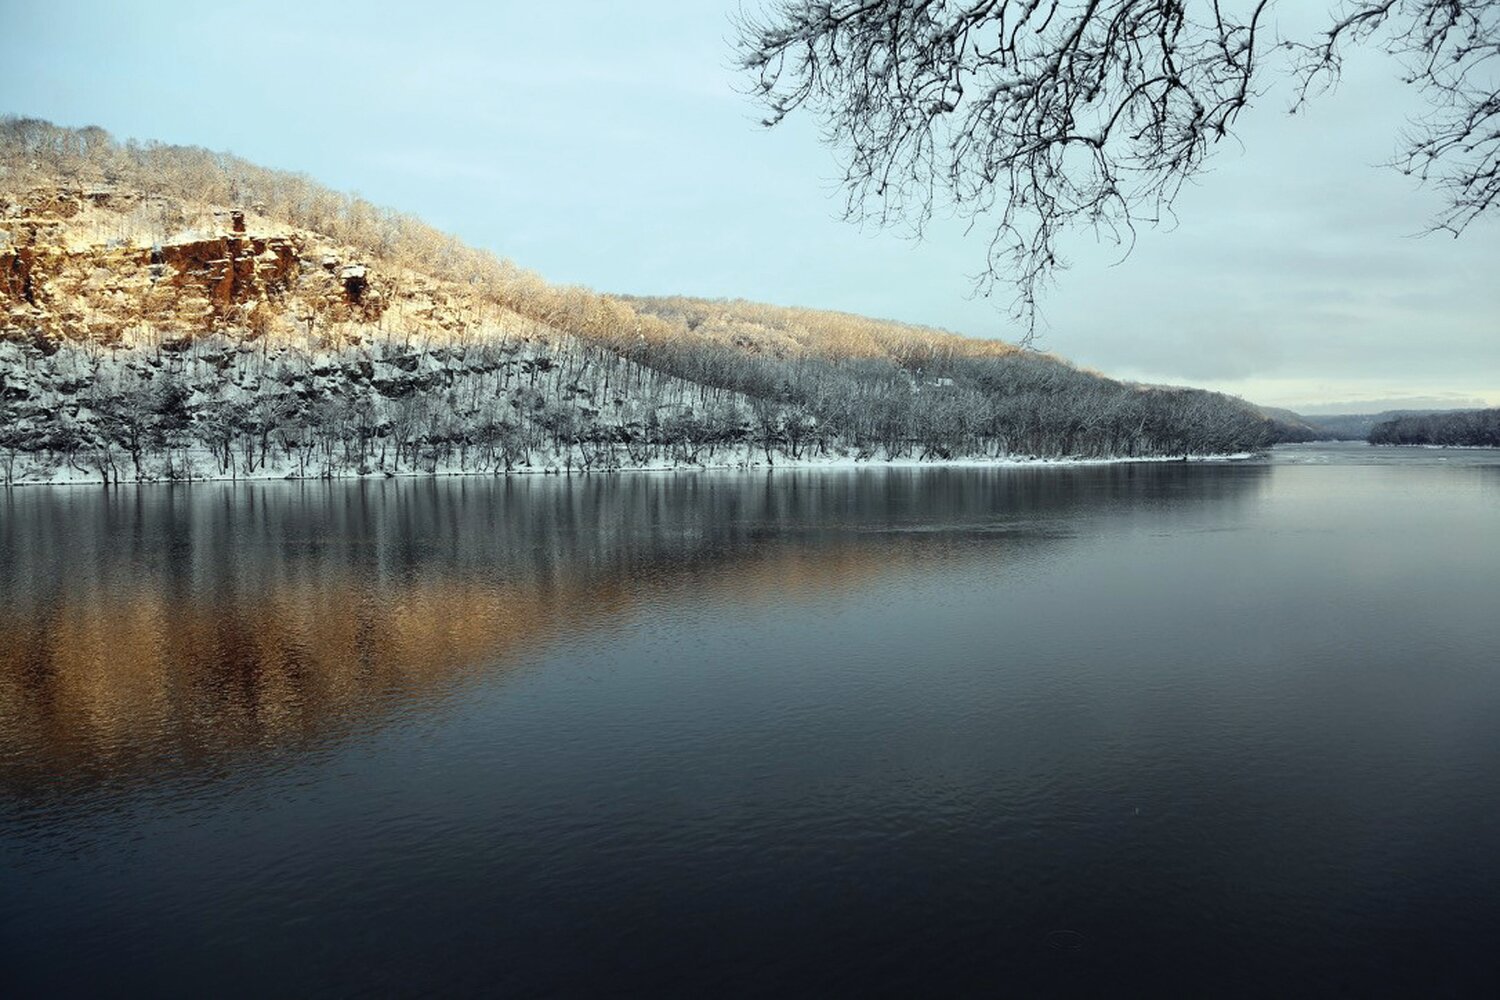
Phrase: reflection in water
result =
(954, 732)
(159, 628)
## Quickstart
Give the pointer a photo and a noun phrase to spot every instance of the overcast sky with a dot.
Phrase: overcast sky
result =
(604, 143)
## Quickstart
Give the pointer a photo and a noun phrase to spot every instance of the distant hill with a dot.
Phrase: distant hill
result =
(1290, 426)
(1355, 426)
(168, 312)
(1466, 428)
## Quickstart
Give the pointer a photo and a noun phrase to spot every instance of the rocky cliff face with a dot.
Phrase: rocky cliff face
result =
(119, 268)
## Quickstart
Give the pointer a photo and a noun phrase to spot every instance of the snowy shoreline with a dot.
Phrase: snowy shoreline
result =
(744, 461)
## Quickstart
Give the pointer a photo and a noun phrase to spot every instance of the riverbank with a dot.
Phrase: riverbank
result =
(199, 465)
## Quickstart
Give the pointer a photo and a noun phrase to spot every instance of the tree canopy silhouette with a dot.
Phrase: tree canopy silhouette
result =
(1029, 117)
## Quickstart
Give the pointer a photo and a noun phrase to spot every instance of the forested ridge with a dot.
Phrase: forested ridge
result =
(1467, 428)
(167, 312)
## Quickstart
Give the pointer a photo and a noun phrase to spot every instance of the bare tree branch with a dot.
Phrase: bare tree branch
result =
(1032, 117)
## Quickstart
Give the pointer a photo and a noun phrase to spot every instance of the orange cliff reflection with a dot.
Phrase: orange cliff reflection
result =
(102, 678)
(103, 683)
(143, 632)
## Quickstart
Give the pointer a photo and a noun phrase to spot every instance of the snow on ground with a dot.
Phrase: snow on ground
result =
(200, 466)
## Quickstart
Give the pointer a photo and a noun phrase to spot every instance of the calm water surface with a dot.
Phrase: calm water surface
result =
(1151, 729)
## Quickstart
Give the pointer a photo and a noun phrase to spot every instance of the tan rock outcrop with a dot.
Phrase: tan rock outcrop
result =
(59, 281)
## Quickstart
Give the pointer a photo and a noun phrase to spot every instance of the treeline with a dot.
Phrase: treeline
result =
(783, 331)
(214, 407)
(189, 179)
(1468, 428)
(1015, 404)
(573, 380)
(36, 153)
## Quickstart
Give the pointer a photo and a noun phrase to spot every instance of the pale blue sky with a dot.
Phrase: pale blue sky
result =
(604, 144)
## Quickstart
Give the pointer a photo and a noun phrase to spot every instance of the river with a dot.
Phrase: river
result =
(1179, 728)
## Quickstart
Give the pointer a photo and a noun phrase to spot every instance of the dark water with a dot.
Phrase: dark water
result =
(1153, 729)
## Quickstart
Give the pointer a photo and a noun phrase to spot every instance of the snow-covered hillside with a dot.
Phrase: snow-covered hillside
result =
(167, 313)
